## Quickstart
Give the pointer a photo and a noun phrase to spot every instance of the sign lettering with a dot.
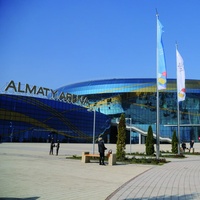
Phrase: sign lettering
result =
(46, 92)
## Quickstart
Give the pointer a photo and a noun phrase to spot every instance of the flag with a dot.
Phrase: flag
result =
(180, 77)
(161, 68)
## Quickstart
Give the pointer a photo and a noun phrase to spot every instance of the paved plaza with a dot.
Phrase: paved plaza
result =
(28, 172)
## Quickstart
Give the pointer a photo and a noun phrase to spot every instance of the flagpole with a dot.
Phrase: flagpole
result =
(178, 125)
(161, 78)
(178, 111)
(157, 105)
(158, 127)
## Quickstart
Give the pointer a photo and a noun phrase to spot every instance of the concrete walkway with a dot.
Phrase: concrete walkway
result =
(179, 179)
(28, 172)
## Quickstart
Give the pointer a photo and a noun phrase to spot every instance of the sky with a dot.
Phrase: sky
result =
(53, 43)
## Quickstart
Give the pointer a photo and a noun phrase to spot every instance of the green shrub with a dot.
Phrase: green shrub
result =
(174, 143)
(144, 160)
(149, 142)
(121, 139)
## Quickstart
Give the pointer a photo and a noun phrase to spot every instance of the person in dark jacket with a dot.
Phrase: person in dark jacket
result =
(102, 149)
(191, 144)
(183, 146)
(52, 145)
(57, 147)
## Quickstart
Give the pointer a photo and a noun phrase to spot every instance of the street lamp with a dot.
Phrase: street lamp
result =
(11, 134)
(94, 126)
(130, 131)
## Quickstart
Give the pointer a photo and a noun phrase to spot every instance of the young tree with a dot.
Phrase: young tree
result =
(121, 139)
(174, 143)
(149, 142)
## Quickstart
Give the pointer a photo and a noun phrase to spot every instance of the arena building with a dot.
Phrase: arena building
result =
(81, 112)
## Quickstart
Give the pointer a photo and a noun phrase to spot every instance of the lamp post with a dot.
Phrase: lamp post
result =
(130, 131)
(94, 126)
(11, 134)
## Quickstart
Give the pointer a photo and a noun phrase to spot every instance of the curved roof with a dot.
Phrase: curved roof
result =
(125, 85)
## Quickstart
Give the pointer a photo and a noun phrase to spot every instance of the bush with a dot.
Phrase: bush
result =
(149, 142)
(174, 143)
(121, 139)
(145, 160)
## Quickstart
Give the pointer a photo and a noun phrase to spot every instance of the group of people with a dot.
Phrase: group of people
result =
(52, 145)
(101, 148)
(183, 145)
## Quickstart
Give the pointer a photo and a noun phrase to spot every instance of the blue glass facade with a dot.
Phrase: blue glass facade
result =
(25, 118)
(30, 119)
(137, 99)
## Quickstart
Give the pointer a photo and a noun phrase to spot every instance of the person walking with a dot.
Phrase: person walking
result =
(52, 145)
(191, 144)
(102, 149)
(57, 147)
(184, 146)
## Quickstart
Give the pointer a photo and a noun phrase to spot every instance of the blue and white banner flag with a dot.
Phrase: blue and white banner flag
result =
(180, 77)
(161, 68)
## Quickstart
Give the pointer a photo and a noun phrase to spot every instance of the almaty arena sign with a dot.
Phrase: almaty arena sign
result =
(45, 92)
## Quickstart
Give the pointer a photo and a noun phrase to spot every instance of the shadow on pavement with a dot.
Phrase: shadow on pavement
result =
(12, 198)
(181, 197)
